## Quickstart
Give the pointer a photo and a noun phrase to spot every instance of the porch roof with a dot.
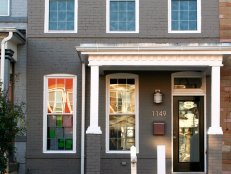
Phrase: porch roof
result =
(155, 48)
(152, 54)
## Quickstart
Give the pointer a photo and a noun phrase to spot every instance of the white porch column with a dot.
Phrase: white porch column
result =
(215, 102)
(94, 102)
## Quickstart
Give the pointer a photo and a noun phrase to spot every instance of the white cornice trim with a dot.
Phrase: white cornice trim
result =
(158, 52)
(155, 60)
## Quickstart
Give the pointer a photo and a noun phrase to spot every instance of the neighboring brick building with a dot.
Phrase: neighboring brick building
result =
(13, 25)
(104, 75)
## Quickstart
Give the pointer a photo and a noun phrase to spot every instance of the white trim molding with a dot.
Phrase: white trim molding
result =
(45, 113)
(189, 91)
(136, 18)
(155, 60)
(46, 19)
(184, 31)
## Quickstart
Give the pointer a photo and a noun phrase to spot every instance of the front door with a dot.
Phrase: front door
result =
(188, 133)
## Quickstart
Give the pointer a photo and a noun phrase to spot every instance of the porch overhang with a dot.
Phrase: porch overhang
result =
(155, 54)
(16, 39)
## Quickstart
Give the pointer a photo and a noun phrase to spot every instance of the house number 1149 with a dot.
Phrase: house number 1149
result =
(159, 113)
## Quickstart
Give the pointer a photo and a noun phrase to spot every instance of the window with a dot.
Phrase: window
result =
(122, 16)
(4, 7)
(122, 112)
(59, 121)
(188, 82)
(184, 16)
(61, 16)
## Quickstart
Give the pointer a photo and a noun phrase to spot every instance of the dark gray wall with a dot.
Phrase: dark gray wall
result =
(55, 53)
(148, 82)
(153, 22)
(58, 55)
(49, 57)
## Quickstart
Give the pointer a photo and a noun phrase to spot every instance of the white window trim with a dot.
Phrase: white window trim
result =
(45, 91)
(108, 19)
(184, 31)
(8, 10)
(189, 74)
(46, 20)
(122, 76)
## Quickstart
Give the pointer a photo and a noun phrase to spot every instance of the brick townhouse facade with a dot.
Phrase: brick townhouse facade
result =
(103, 76)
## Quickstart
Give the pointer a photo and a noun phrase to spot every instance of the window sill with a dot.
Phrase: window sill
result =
(59, 152)
(184, 31)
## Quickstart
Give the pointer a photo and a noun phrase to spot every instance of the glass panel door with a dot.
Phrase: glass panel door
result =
(188, 134)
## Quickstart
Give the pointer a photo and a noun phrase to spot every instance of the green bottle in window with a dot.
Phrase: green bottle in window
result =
(59, 121)
(52, 133)
(68, 144)
(60, 144)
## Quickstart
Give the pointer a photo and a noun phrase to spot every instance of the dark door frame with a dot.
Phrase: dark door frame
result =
(188, 166)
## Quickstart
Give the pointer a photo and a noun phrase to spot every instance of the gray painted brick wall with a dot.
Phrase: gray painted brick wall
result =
(55, 53)
(20, 96)
(153, 22)
(18, 8)
(49, 56)
(93, 158)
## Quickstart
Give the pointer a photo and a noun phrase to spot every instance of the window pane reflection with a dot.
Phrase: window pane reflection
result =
(188, 132)
(122, 96)
(121, 114)
(122, 132)
(187, 83)
(60, 114)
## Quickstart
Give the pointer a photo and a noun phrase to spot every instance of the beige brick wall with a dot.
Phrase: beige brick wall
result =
(226, 116)
(225, 20)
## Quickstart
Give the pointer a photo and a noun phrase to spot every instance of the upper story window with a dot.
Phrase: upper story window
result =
(61, 16)
(59, 119)
(122, 113)
(122, 16)
(4, 7)
(184, 16)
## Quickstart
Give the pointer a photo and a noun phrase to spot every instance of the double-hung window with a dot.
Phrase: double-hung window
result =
(184, 16)
(4, 7)
(59, 119)
(122, 113)
(61, 16)
(122, 16)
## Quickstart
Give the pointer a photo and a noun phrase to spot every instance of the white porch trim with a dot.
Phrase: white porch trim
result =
(94, 102)
(155, 60)
(157, 55)
(215, 102)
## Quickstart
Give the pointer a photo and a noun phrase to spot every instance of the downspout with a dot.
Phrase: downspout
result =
(83, 114)
(3, 43)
